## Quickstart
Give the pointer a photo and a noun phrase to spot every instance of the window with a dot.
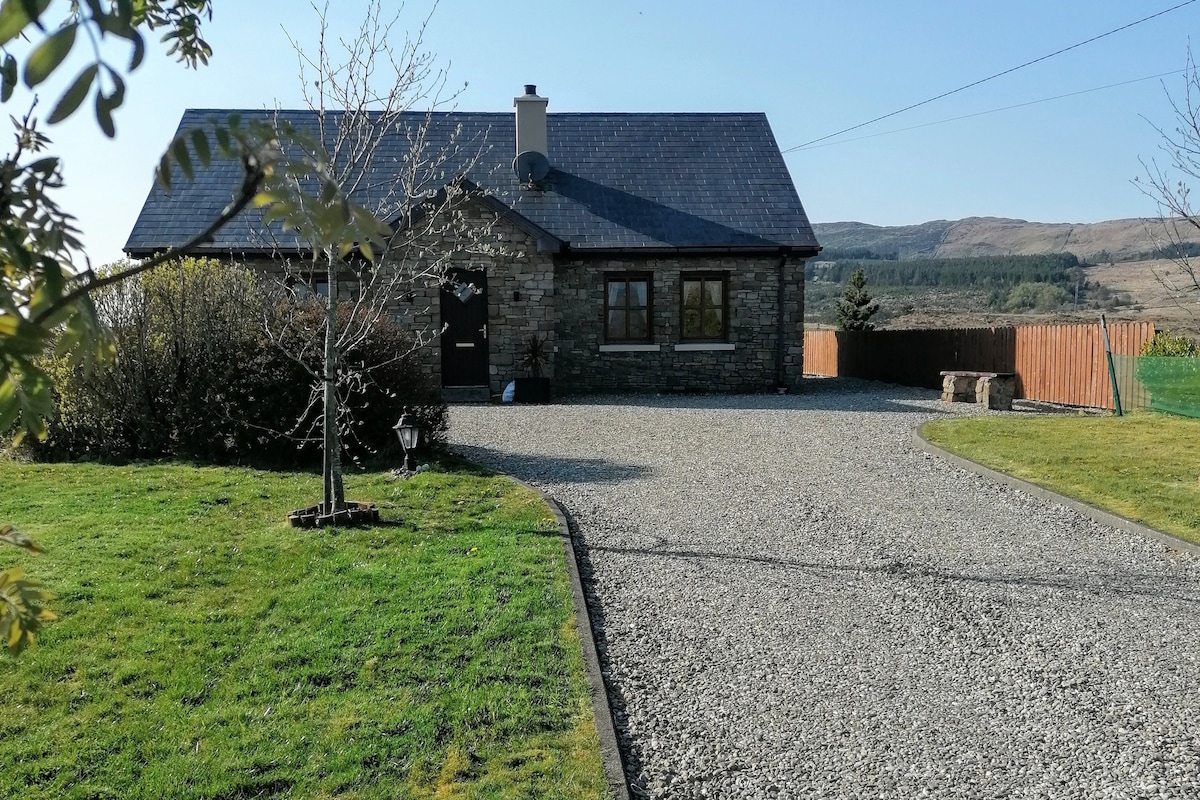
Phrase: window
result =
(704, 312)
(309, 286)
(627, 308)
(314, 287)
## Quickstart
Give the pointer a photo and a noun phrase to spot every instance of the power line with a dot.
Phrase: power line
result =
(983, 113)
(992, 77)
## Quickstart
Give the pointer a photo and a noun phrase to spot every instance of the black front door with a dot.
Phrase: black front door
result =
(464, 338)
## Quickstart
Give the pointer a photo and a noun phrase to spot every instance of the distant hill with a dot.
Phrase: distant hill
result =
(910, 241)
(1114, 240)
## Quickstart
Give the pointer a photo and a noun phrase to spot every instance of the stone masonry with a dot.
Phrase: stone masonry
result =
(996, 391)
(561, 298)
(744, 363)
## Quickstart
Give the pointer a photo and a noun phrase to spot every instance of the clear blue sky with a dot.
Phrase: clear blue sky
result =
(813, 68)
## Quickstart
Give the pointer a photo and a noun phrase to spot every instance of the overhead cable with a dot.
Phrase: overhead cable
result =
(989, 111)
(992, 77)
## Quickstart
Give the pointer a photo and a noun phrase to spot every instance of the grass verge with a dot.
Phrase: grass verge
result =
(1143, 467)
(207, 650)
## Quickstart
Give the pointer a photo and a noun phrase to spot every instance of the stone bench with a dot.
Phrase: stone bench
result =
(992, 389)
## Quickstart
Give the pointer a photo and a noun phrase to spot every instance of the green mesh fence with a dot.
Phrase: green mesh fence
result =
(1160, 383)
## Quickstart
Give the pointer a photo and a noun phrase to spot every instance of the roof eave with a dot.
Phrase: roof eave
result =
(798, 251)
(233, 253)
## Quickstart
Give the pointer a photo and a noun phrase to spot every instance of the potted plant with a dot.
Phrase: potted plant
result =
(534, 388)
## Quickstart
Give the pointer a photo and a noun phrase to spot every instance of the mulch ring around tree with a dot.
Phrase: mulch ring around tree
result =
(352, 514)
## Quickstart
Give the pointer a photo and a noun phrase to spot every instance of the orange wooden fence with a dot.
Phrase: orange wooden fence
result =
(821, 353)
(1066, 363)
(1053, 363)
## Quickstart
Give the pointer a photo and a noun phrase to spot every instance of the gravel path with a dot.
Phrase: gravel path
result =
(794, 602)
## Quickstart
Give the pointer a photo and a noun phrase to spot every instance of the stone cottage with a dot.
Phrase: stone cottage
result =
(654, 252)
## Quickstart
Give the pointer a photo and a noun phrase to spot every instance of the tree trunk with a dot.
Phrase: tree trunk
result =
(335, 492)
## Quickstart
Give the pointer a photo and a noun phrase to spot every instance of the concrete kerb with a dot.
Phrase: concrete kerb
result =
(1099, 515)
(610, 751)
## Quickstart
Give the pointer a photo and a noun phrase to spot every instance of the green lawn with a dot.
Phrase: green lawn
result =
(206, 650)
(1145, 467)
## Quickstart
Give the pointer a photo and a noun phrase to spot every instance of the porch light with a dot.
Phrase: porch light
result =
(409, 433)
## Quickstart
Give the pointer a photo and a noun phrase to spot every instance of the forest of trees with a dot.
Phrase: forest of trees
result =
(1170, 250)
(1010, 283)
(857, 254)
(988, 272)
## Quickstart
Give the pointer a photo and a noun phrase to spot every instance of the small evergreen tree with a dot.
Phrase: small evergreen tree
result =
(855, 308)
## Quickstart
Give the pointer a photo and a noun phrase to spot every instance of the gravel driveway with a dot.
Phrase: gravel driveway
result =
(792, 601)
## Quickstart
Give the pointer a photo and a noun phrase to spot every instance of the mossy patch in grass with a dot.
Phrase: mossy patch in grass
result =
(1144, 467)
(207, 650)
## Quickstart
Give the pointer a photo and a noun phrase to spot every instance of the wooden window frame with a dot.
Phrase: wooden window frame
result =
(627, 278)
(723, 277)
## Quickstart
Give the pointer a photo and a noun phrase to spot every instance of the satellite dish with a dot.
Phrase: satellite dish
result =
(531, 166)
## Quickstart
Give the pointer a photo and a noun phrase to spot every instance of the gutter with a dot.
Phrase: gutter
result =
(808, 252)
(233, 254)
(779, 324)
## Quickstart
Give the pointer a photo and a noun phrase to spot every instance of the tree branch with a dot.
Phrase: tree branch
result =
(250, 184)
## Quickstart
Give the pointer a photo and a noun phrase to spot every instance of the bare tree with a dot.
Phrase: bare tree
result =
(1176, 230)
(363, 93)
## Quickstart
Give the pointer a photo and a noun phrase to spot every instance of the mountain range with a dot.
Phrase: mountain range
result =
(1111, 241)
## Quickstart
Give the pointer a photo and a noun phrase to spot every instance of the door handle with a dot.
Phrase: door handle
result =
(484, 329)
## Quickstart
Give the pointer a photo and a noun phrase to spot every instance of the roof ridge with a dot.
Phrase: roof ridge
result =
(491, 113)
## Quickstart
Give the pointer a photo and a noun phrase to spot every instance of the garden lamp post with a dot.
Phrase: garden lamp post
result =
(409, 433)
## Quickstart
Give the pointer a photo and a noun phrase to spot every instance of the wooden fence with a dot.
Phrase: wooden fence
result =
(1053, 363)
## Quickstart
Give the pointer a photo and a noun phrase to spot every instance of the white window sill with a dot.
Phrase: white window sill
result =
(702, 346)
(630, 348)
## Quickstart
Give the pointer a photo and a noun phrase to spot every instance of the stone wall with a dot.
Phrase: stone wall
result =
(746, 362)
(561, 298)
(520, 294)
(520, 305)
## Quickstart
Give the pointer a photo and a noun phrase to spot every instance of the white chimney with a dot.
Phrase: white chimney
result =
(531, 121)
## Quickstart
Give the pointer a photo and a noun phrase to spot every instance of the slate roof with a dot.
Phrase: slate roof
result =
(637, 182)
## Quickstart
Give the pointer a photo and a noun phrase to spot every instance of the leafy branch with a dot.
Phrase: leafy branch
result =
(22, 599)
(45, 301)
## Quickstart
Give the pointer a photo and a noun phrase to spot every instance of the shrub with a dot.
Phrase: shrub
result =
(1035, 296)
(1100, 296)
(382, 378)
(189, 342)
(1165, 343)
(197, 377)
